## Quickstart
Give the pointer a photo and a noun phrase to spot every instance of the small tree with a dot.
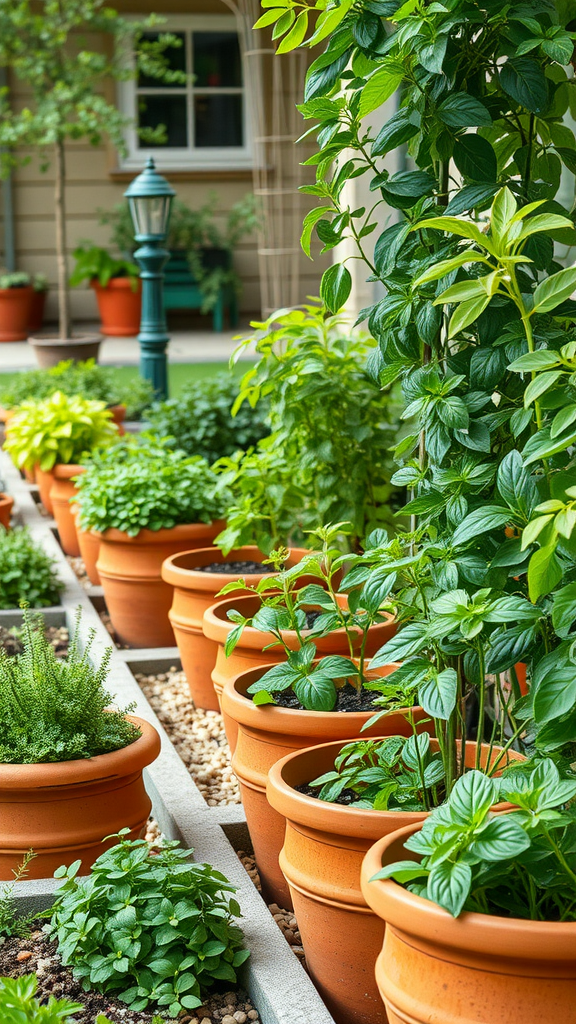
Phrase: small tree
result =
(44, 48)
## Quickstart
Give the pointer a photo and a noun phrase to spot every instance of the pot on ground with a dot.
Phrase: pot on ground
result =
(474, 969)
(118, 417)
(119, 305)
(15, 307)
(89, 544)
(321, 859)
(44, 479)
(36, 321)
(269, 732)
(249, 652)
(62, 490)
(194, 592)
(63, 811)
(50, 350)
(6, 503)
(129, 568)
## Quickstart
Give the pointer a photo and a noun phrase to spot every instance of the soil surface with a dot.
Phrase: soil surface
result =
(346, 798)
(38, 954)
(348, 699)
(240, 568)
(57, 635)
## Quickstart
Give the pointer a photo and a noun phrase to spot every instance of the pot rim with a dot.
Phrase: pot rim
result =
(506, 937)
(66, 470)
(116, 763)
(194, 579)
(55, 341)
(115, 283)
(6, 499)
(23, 289)
(186, 531)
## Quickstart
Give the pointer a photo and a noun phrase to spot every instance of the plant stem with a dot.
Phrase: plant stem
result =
(481, 703)
(64, 319)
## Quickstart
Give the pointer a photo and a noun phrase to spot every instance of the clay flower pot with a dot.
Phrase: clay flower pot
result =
(89, 544)
(6, 503)
(119, 305)
(50, 349)
(474, 969)
(267, 733)
(44, 479)
(194, 592)
(321, 859)
(15, 309)
(62, 490)
(118, 417)
(129, 568)
(36, 321)
(63, 811)
(249, 652)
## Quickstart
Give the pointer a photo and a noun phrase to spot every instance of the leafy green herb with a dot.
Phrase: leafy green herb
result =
(27, 573)
(11, 922)
(94, 263)
(19, 1005)
(58, 430)
(86, 379)
(152, 927)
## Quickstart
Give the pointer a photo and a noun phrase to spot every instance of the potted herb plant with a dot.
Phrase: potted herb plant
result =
(16, 296)
(481, 907)
(117, 285)
(54, 437)
(146, 502)
(27, 572)
(70, 765)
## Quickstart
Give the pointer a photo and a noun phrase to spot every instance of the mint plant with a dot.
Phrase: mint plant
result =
(152, 927)
(520, 864)
(27, 573)
(19, 1005)
(59, 429)
(94, 263)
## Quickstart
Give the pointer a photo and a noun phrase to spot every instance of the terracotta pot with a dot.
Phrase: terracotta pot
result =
(15, 306)
(37, 312)
(61, 491)
(250, 652)
(45, 479)
(118, 417)
(120, 306)
(63, 811)
(474, 969)
(89, 544)
(268, 733)
(6, 503)
(50, 350)
(129, 568)
(194, 593)
(30, 475)
(321, 859)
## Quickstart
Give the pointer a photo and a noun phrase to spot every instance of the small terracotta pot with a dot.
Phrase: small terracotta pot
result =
(130, 568)
(119, 305)
(267, 733)
(62, 490)
(249, 652)
(36, 321)
(50, 349)
(474, 969)
(194, 592)
(63, 811)
(321, 859)
(15, 307)
(30, 475)
(89, 544)
(118, 417)
(44, 479)
(6, 503)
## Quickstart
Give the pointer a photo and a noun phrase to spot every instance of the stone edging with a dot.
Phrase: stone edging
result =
(276, 982)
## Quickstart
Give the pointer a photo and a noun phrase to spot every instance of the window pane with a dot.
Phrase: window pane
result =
(216, 59)
(169, 111)
(218, 120)
(175, 57)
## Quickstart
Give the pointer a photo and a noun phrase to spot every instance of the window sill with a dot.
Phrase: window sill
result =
(188, 174)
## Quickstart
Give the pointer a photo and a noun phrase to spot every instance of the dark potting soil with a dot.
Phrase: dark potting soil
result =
(57, 635)
(346, 798)
(348, 699)
(311, 618)
(236, 568)
(37, 954)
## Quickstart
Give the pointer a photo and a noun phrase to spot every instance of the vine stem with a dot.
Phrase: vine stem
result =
(481, 705)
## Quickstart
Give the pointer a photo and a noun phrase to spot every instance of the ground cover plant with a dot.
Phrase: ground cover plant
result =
(19, 1005)
(151, 926)
(86, 379)
(57, 709)
(27, 573)
(200, 420)
(476, 324)
(143, 484)
(56, 430)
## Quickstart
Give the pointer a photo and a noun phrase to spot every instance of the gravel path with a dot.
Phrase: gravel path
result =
(285, 919)
(197, 735)
(77, 566)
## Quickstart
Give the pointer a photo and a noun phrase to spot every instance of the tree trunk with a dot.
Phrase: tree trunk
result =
(64, 321)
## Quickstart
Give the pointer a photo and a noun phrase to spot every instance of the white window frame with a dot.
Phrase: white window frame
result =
(228, 158)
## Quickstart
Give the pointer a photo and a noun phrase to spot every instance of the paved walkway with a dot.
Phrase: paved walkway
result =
(184, 347)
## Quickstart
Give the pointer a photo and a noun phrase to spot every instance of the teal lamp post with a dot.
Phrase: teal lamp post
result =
(150, 200)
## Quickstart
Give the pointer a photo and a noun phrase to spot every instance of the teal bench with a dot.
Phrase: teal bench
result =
(181, 290)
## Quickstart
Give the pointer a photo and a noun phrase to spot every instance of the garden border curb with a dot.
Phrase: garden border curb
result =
(274, 978)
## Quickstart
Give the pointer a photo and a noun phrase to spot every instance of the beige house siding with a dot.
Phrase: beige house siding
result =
(94, 182)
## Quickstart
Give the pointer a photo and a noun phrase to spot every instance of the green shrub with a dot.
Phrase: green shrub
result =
(201, 423)
(153, 928)
(58, 430)
(86, 379)
(141, 484)
(26, 572)
(18, 1004)
(94, 263)
(55, 709)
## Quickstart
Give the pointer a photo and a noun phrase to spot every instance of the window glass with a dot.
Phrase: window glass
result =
(216, 59)
(218, 120)
(175, 57)
(170, 111)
